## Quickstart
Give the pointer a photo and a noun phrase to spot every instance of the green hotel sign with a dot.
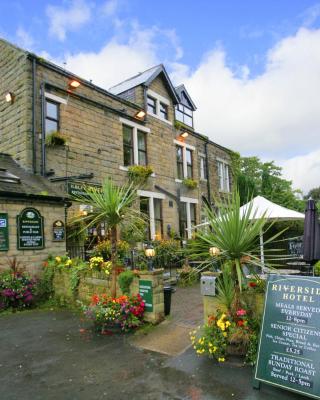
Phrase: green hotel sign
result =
(289, 350)
(4, 232)
(145, 291)
(30, 232)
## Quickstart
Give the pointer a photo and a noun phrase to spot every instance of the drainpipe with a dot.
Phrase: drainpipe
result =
(43, 131)
(208, 173)
(34, 133)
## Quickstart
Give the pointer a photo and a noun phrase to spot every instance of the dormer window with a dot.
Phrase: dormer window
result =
(184, 115)
(152, 105)
(164, 111)
(158, 106)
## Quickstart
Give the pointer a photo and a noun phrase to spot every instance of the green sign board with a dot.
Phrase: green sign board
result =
(78, 189)
(145, 291)
(4, 232)
(289, 350)
(30, 230)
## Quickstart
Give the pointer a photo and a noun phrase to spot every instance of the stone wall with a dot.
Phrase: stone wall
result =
(16, 129)
(89, 285)
(32, 259)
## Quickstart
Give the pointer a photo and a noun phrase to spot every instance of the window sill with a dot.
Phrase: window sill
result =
(178, 180)
(159, 118)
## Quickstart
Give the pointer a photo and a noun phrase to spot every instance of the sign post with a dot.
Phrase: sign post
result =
(4, 232)
(145, 291)
(30, 232)
(289, 349)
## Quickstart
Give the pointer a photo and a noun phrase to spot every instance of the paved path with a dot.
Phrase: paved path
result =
(171, 337)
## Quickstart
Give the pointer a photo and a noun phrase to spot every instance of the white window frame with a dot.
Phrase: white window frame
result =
(151, 196)
(184, 146)
(55, 98)
(159, 99)
(203, 160)
(188, 201)
(223, 175)
(135, 127)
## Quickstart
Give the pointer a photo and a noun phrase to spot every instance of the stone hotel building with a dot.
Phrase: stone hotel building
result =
(144, 120)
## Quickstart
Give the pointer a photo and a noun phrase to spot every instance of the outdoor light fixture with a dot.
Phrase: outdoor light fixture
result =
(9, 96)
(74, 84)
(140, 114)
(150, 252)
(184, 134)
(214, 251)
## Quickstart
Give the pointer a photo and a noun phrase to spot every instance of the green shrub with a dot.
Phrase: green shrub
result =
(55, 139)
(125, 279)
(317, 268)
(139, 173)
(103, 249)
(190, 183)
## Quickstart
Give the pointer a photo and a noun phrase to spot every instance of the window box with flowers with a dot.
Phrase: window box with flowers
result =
(139, 173)
(190, 183)
(55, 138)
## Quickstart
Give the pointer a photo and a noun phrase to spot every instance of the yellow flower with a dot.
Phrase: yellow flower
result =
(225, 334)
(228, 323)
(58, 259)
(221, 359)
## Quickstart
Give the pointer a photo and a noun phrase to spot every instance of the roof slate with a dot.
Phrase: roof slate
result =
(29, 185)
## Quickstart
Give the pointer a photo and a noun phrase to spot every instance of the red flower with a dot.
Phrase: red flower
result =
(240, 322)
(241, 312)
(252, 284)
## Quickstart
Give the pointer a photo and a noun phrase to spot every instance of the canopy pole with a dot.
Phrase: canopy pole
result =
(262, 251)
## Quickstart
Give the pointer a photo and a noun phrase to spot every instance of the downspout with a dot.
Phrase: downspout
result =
(43, 131)
(208, 173)
(34, 138)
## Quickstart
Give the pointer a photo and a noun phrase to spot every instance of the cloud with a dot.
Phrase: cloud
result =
(311, 15)
(71, 18)
(24, 39)
(110, 7)
(303, 170)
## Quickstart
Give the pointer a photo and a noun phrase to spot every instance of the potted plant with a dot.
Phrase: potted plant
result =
(139, 173)
(55, 138)
(190, 183)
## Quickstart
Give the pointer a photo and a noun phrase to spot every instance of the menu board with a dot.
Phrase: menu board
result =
(58, 231)
(4, 232)
(145, 291)
(289, 350)
(30, 230)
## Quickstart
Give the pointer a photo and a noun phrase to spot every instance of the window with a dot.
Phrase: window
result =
(52, 117)
(158, 223)
(203, 167)
(187, 216)
(134, 143)
(184, 155)
(152, 105)
(223, 174)
(127, 145)
(179, 152)
(184, 114)
(151, 205)
(163, 111)
(142, 148)
(189, 163)
(158, 106)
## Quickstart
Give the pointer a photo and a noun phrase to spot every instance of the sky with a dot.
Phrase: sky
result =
(251, 67)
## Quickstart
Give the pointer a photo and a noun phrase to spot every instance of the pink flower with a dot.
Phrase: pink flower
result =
(241, 312)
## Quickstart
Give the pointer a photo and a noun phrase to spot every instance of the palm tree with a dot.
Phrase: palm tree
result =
(114, 206)
(234, 235)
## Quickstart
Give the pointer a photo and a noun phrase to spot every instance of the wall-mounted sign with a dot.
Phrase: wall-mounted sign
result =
(78, 189)
(145, 291)
(289, 351)
(58, 231)
(4, 232)
(30, 230)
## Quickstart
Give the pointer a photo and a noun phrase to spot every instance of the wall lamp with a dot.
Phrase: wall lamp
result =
(140, 114)
(9, 97)
(184, 134)
(74, 84)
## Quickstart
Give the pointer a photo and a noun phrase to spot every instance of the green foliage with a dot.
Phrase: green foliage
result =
(139, 173)
(254, 177)
(316, 268)
(168, 253)
(78, 267)
(103, 249)
(125, 279)
(190, 183)
(188, 276)
(225, 287)
(134, 234)
(55, 139)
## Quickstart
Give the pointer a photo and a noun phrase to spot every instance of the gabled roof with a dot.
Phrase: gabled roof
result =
(16, 181)
(181, 92)
(145, 78)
